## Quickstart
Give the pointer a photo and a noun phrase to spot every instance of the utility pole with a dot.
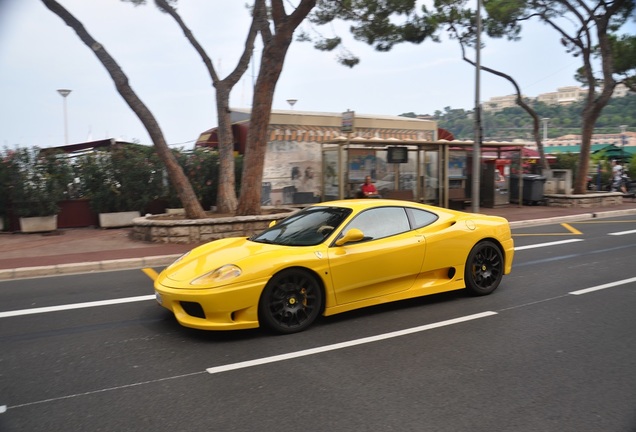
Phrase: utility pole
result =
(476, 166)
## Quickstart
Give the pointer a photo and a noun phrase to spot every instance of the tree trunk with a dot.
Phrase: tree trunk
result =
(527, 108)
(177, 177)
(256, 146)
(595, 102)
(226, 201)
(272, 60)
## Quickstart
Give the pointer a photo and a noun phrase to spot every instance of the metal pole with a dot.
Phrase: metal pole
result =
(476, 145)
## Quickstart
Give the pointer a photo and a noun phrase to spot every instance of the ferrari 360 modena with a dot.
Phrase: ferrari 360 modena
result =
(335, 257)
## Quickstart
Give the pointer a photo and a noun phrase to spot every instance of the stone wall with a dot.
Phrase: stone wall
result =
(170, 229)
(604, 199)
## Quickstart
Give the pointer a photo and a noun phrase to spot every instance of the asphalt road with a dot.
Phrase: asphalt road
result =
(553, 349)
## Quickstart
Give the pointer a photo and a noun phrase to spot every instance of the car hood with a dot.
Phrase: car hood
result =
(213, 255)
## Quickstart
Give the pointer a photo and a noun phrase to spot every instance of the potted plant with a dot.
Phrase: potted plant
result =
(120, 182)
(39, 180)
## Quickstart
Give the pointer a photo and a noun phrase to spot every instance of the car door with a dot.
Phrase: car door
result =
(386, 261)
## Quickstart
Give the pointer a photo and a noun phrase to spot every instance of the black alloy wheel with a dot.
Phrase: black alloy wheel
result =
(484, 268)
(291, 301)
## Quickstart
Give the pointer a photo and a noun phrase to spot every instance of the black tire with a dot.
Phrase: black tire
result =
(291, 301)
(484, 268)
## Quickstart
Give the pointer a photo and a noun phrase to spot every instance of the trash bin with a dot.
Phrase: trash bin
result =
(532, 188)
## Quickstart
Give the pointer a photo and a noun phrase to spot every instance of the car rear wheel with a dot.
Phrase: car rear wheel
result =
(291, 301)
(484, 268)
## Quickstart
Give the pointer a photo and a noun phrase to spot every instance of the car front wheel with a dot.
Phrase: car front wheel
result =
(291, 301)
(484, 268)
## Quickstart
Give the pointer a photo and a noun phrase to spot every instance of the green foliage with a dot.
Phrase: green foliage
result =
(327, 44)
(624, 57)
(515, 123)
(201, 167)
(120, 178)
(34, 181)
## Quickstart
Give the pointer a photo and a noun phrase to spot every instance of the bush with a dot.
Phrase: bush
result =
(124, 177)
(35, 181)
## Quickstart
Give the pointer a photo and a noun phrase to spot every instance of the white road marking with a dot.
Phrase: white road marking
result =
(342, 345)
(623, 233)
(272, 359)
(604, 286)
(47, 309)
(104, 390)
(265, 360)
(560, 242)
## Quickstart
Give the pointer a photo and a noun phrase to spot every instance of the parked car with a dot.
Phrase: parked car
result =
(335, 257)
(387, 183)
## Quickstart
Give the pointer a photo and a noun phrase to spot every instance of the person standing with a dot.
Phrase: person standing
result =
(617, 176)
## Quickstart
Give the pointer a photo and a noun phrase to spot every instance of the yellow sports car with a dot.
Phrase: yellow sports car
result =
(334, 257)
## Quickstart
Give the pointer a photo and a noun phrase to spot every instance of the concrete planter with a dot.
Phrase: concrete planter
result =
(175, 211)
(118, 219)
(38, 224)
(161, 229)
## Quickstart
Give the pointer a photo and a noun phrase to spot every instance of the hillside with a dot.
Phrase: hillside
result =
(515, 123)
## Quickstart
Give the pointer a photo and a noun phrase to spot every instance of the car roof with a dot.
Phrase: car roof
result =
(365, 203)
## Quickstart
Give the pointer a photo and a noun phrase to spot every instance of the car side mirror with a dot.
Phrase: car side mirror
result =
(272, 223)
(353, 235)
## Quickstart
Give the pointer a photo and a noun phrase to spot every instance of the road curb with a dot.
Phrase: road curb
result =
(87, 267)
(571, 218)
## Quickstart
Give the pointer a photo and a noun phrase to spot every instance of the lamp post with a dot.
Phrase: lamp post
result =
(292, 102)
(65, 93)
(545, 121)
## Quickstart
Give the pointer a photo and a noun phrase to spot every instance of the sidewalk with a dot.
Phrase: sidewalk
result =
(93, 249)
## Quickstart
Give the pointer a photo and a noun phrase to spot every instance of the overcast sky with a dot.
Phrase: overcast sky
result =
(40, 54)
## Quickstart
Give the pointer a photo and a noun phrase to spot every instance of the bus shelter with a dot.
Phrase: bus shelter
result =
(433, 172)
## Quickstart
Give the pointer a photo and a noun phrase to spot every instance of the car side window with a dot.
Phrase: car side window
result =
(381, 222)
(421, 218)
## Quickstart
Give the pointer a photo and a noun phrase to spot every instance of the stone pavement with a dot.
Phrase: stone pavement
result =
(92, 249)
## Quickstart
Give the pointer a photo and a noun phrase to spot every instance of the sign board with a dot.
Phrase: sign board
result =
(347, 121)
(397, 155)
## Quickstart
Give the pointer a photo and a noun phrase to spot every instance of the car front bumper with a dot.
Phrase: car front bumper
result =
(226, 308)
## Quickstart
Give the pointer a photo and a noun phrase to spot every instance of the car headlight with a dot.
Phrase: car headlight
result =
(224, 273)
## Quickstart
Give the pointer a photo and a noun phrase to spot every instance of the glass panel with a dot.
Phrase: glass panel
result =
(430, 182)
(381, 222)
(421, 218)
(330, 172)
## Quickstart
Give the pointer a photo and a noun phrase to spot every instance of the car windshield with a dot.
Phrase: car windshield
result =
(308, 227)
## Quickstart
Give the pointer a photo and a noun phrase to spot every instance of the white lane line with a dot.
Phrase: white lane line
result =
(74, 306)
(604, 286)
(622, 233)
(104, 390)
(342, 345)
(555, 243)
(3, 409)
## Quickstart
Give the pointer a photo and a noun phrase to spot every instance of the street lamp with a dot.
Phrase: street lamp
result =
(65, 93)
(292, 102)
(545, 128)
